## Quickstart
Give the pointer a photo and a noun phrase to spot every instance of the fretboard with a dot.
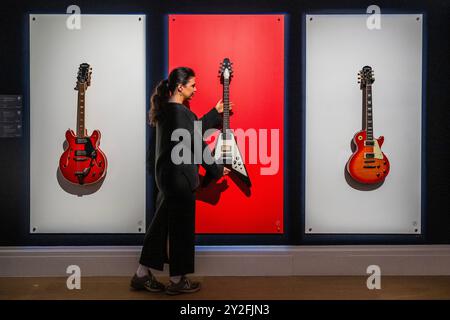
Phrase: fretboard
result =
(368, 110)
(226, 105)
(81, 111)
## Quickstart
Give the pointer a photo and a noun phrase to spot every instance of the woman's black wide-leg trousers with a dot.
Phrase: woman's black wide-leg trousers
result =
(174, 220)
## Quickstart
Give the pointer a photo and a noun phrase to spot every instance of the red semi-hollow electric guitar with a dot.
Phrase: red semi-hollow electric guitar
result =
(83, 162)
(368, 164)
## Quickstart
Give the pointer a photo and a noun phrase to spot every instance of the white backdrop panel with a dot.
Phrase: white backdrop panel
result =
(337, 47)
(114, 45)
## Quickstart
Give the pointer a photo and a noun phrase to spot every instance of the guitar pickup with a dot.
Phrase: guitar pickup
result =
(369, 143)
(81, 140)
(369, 155)
(80, 153)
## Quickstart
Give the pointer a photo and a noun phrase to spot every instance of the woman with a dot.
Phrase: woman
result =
(171, 236)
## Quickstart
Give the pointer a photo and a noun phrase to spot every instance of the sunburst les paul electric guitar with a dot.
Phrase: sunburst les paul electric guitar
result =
(368, 164)
(83, 162)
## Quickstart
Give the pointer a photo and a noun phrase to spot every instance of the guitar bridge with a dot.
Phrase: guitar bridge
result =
(80, 158)
(83, 173)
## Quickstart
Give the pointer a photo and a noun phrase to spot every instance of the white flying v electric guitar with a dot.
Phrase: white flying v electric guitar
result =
(226, 151)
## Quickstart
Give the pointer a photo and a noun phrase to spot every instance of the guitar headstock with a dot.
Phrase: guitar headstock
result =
(365, 76)
(84, 76)
(226, 69)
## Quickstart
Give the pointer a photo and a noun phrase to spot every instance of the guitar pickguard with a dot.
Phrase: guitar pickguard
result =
(376, 154)
(227, 152)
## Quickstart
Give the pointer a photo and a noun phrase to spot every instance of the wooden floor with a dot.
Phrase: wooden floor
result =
(234, 288)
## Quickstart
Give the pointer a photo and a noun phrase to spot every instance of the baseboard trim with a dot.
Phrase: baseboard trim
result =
(411, 260)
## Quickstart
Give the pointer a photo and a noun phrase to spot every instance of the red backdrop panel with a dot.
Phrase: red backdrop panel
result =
(255, 45)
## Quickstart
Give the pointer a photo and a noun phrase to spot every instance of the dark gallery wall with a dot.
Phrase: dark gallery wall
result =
(14, 152)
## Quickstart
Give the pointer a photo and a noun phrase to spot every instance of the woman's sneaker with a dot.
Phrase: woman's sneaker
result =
(148, 283)
(185, 285)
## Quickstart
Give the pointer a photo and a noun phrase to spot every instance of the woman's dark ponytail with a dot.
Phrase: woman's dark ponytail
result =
(159, 97)
(164, 89)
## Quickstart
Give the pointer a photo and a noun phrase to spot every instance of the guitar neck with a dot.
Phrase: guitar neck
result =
(81, 106)
(368, 108)
(226, 105)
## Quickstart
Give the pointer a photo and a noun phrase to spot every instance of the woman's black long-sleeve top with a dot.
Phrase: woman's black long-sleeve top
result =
(177, 116)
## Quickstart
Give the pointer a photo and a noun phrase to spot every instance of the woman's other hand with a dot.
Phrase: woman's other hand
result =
(226, 171)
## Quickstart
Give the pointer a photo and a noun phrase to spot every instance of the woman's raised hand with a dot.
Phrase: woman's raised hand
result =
(219, 106)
